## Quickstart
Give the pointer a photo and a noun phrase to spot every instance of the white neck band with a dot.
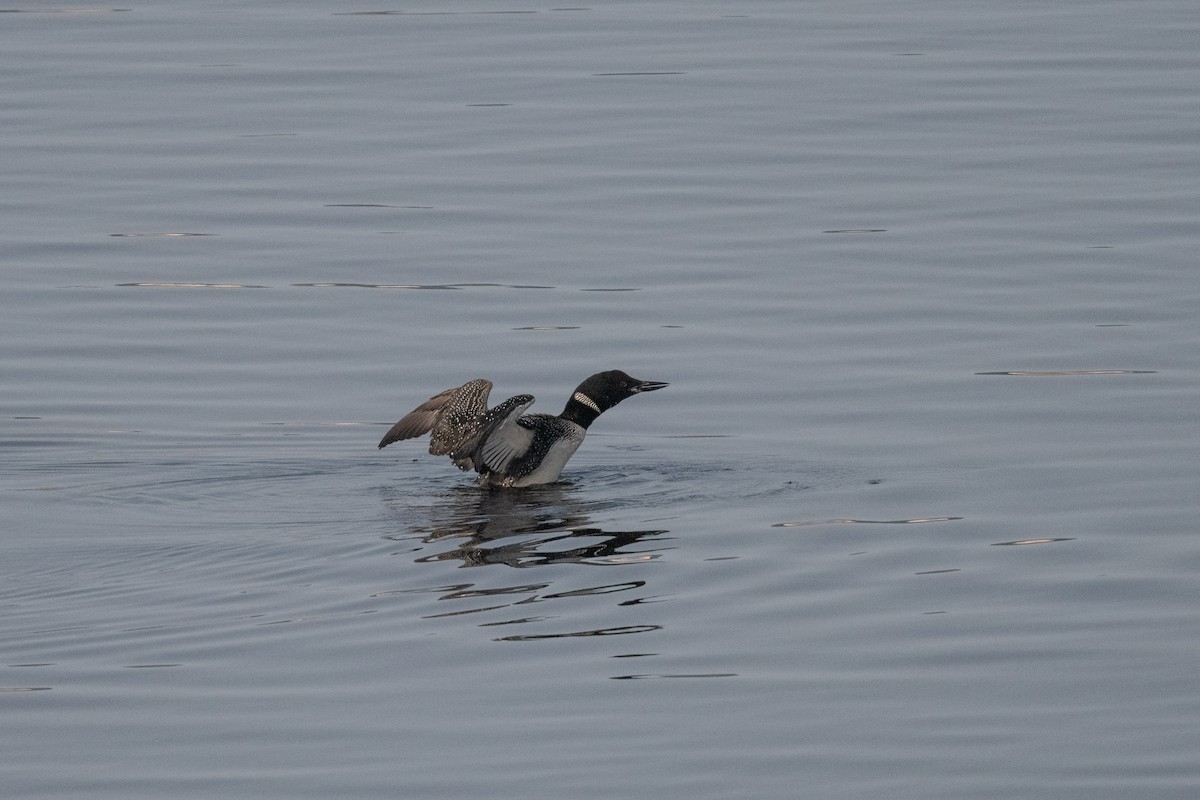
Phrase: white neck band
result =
(587, 401)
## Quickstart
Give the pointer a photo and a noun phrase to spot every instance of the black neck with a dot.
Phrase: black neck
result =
(581, 414)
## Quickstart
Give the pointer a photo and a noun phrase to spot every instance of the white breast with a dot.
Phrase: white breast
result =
(552, 465)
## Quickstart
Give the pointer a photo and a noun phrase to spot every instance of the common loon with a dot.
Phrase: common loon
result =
(504, 447)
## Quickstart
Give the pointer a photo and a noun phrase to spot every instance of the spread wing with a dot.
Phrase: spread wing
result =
(462, 427)
(444, 412)
(505, 438)
(460, 417)
(467, 452)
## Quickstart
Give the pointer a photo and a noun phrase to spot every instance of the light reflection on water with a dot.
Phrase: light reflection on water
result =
(551, 525)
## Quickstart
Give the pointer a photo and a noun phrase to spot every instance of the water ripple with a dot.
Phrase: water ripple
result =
(818, 522)
(1056, 373)
(620, 631)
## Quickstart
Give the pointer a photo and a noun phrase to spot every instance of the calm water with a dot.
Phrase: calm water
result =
(916, 517)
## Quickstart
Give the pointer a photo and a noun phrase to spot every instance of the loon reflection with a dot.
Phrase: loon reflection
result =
(534, 527)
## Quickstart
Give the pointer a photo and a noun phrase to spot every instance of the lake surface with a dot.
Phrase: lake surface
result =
(916, 517)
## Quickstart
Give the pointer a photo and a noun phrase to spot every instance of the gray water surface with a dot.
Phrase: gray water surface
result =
(916, 517)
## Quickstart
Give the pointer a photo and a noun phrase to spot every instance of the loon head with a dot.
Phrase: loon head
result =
(604, 390)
